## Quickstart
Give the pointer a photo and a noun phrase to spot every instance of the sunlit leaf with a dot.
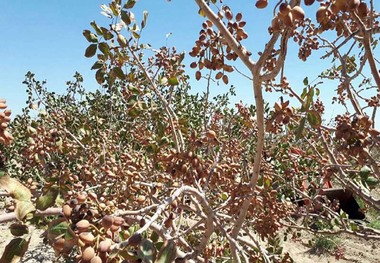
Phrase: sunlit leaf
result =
(304, 93)
(90, 36)
(115, 8)
(31, 130)
(59, 227)
(59, 142)
(365, 171)
(354, 227)
(130, 4)
(97, 65)
(145, 17)
(300, 128)
(127, 255)
(306, 81)
(314, 119)
(97, 29)
(106, 33)
(104, 48)
(106, 11)
(201, 12)
(343, 214)
(99, 75)
(90, 50)
(135, 34)
(15, 250)
(48, 200)
(372, 181)
(23, 208)
(173, 81)
(147, 251)
(317, 91)
(118, 73)
(121, 40)
(17, 190)
(168, 252)
(125, 17)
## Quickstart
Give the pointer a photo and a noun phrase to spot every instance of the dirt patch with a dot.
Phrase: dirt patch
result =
(38, 252)
(354, 250)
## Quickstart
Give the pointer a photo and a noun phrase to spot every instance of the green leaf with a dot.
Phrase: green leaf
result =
(372, 181)
(20, 193)
(96, 28)
(304, 93)
(125, 17)
(115, 8)
(106, 11)
(106, 33)
(135, 34)
(317, 91)
(90, 36)
(60, 227)
(267, 182)
(152, 148)
(97, 65)
(18, 229)
(121, 40)
(145, 17)
(154, 237)
(59, 142)
(306, 81)
(99, 76)
(300, 128)
(104, 48)
(314, 119)
(130, 4)
(365, 171)
(48, 200)
(309, 99)
(118, 72)
(168, 252)
(354, 227)
(16, 189)
(164, 140)
(90, 50)
(343, 214)
(147, 251)
(23, 208)
(173, 81)
(201, 12)
(15, 250)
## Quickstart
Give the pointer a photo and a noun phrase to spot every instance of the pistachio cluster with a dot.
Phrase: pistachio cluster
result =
(287, 17)
(88, 228)
(281, 115)
(332, 14)
(5, 136)
(355, 135)
(211, 49)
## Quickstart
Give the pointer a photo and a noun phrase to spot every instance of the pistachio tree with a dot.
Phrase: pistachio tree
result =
(142, 170)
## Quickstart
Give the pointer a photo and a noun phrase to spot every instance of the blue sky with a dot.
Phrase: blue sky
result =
(45, 37)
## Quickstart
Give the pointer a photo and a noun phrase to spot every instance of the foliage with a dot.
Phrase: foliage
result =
(142, 170)
(324, 244)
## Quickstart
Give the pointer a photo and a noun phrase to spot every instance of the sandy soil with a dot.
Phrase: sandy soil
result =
(354, 250)
(38, 251)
